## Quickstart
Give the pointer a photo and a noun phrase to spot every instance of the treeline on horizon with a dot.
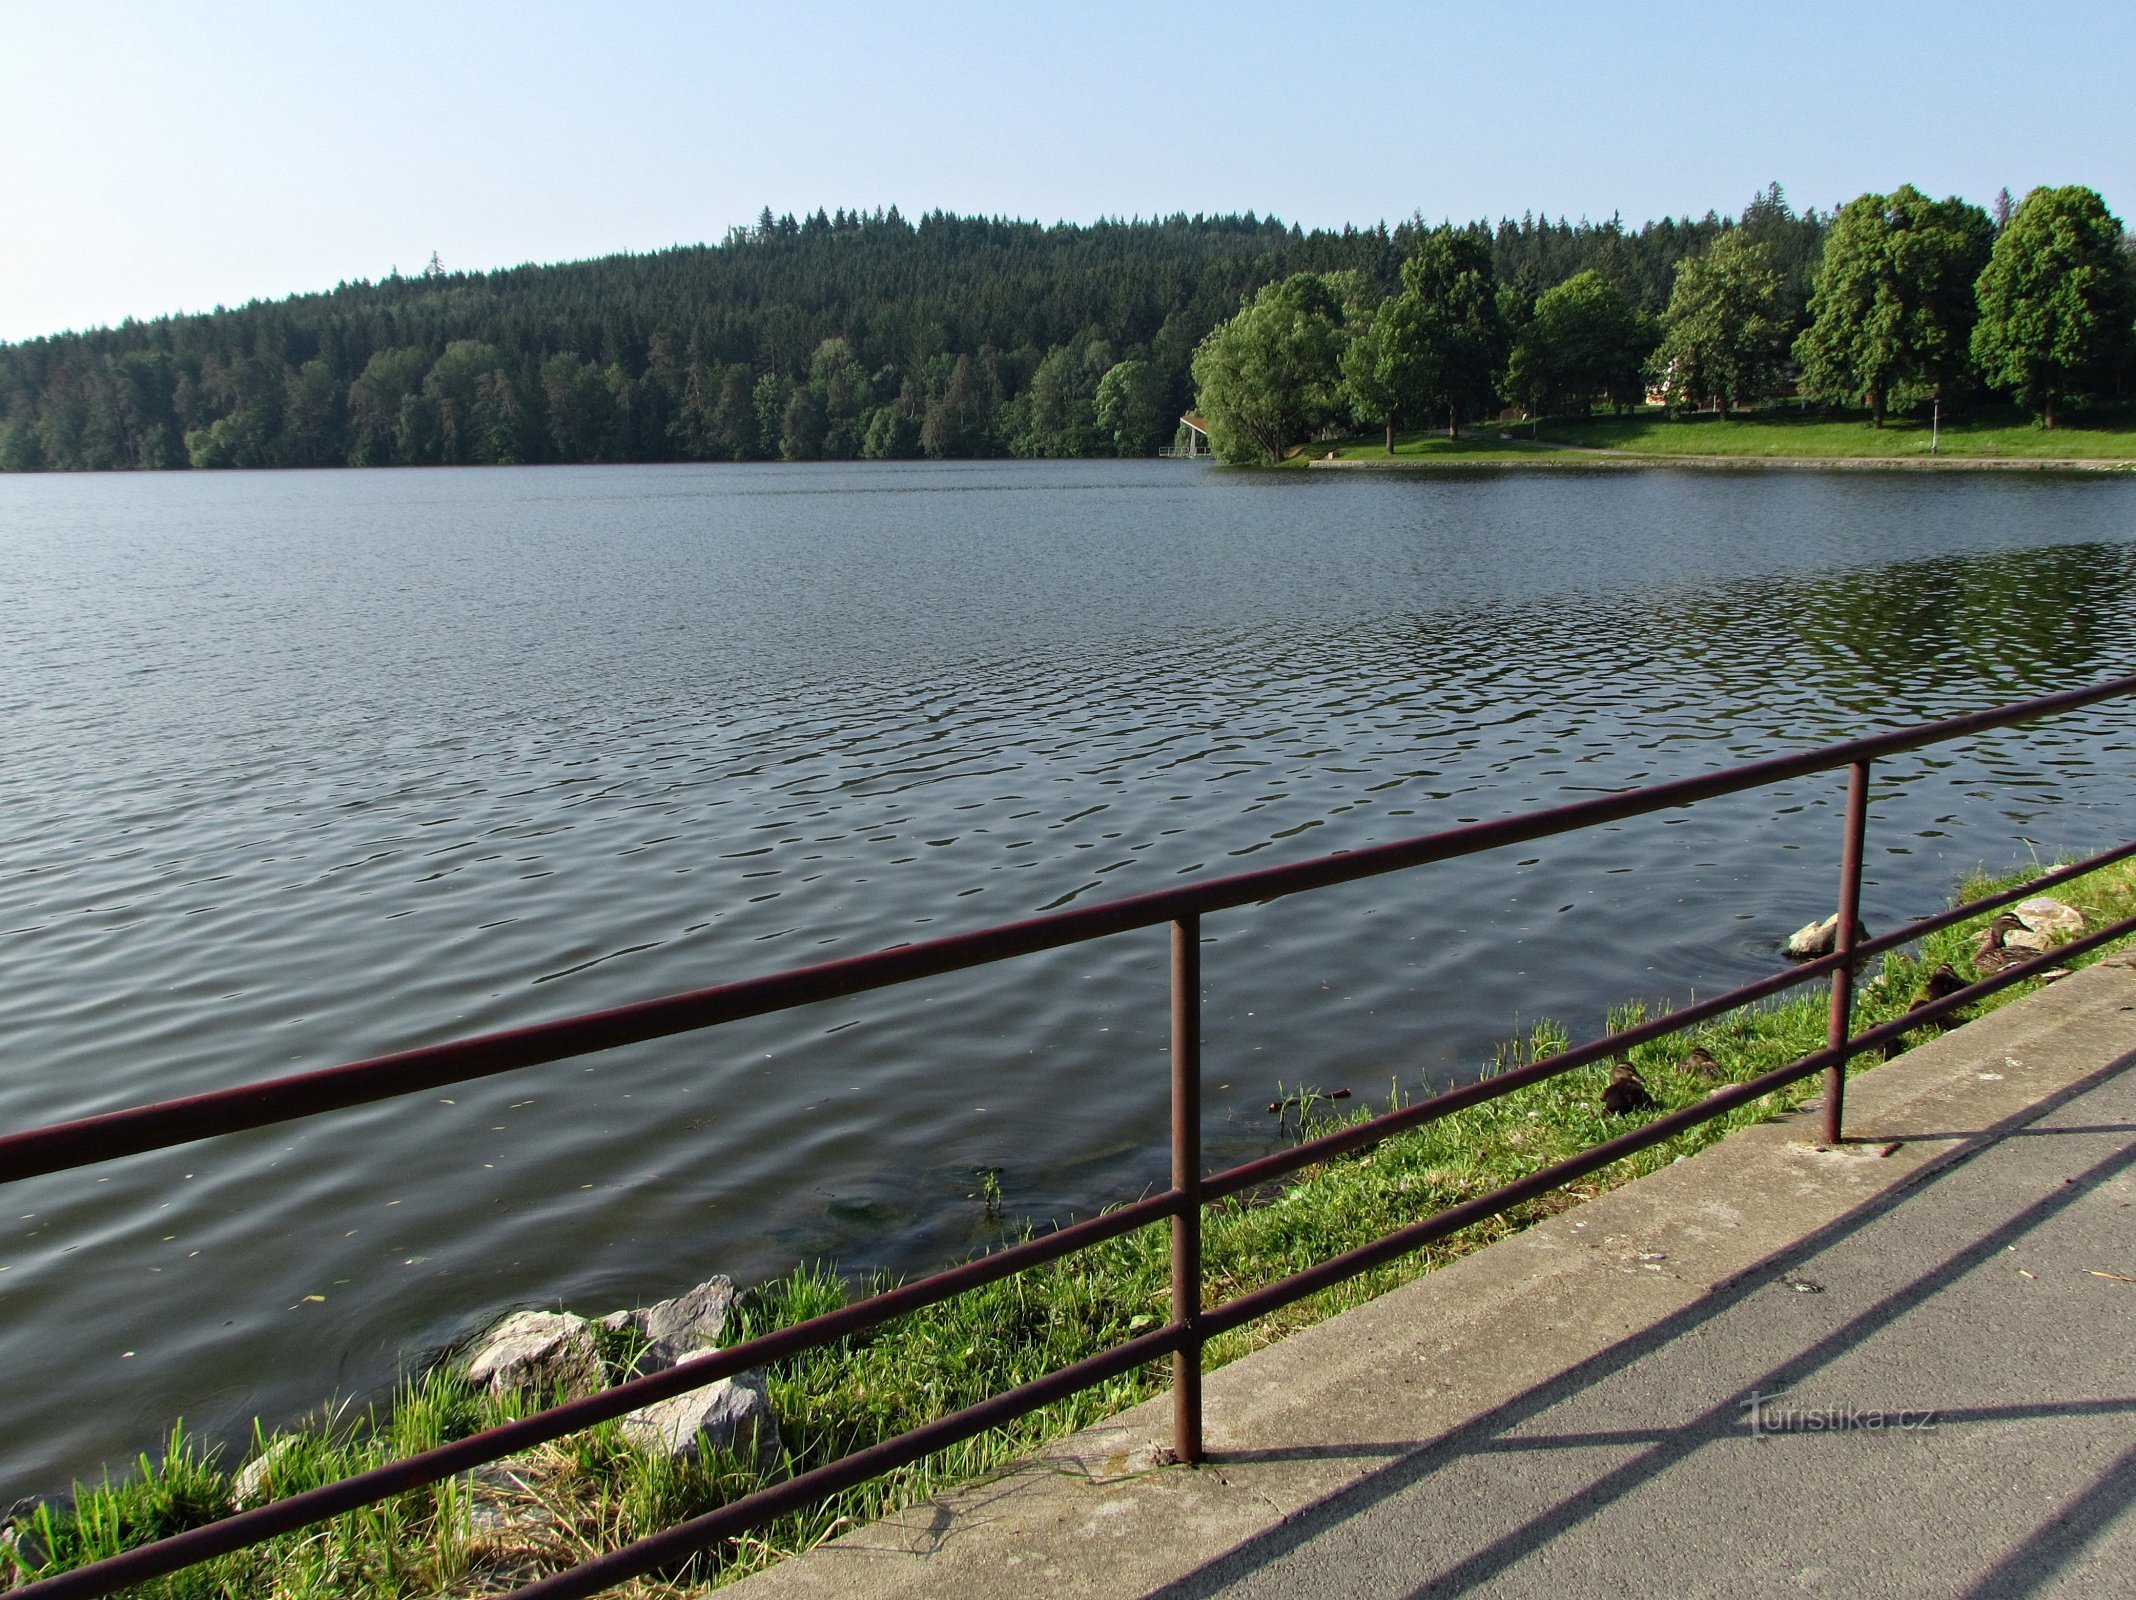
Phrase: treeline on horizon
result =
(862, 335)
(836, 336)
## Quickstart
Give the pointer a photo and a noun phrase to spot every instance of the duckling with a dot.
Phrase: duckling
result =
(1699, 1062)
(1627, 1092)
(1941, 984)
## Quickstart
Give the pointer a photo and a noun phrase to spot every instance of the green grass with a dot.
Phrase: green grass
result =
(592, 1492)
(1988, 432)
(1477, 444)
(1994, 432)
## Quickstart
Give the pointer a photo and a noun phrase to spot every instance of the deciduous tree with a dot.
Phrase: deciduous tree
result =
(1452, 332)
(1131, 408)
(1270, 376)
(1721, 336)
(2055, 302)
(1892, 312)
(1585, 342)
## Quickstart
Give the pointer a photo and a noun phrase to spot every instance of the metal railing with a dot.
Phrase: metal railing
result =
(174, 1122)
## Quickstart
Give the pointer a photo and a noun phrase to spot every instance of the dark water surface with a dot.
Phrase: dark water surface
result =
(301, 768)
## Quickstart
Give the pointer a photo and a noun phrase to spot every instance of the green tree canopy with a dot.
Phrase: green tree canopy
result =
(1454, 329)
(1377, 366)
(1271, 375)
(1892, 312)
(1721, 336)
(1131, 408)
(2055, 302)
(1584, 342)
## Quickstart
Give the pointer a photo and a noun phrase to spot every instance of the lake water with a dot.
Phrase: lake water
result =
(298, 768)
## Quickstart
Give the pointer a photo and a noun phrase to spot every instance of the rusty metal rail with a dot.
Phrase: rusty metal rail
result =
(121, 1133)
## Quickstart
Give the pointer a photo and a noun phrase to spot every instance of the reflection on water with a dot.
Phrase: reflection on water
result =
(305, 767)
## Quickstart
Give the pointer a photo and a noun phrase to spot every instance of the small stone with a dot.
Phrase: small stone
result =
(20, 1541)
(541, 1350)
(2045, 914)
(504, 1505)
(733, 1414)
(1814, 939)
(2028, 939)
(254, 1483)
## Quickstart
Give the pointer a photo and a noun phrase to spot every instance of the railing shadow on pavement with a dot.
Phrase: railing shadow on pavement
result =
(1667, 1446)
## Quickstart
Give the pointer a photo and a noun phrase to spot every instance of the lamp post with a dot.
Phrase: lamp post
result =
(1935, 424)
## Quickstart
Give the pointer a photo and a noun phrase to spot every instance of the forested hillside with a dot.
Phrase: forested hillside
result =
(834, 336)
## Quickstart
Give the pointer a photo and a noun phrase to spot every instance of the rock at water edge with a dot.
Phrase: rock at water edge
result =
(678, 1329)
(2047, 915)
(733, 1414)
(540, 1350)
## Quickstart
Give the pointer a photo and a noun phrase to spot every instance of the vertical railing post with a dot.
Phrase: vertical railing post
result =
(1187, 1182)
(1841, 1027)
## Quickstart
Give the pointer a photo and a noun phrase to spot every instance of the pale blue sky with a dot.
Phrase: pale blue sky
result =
(159, 157)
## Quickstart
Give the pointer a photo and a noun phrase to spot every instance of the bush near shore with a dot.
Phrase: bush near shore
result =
(579, 1496)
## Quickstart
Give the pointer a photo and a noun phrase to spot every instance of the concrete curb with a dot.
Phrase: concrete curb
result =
(1572, 456)
(1589, 1292)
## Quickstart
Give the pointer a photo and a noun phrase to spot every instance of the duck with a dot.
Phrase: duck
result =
(1699, 1062)
(1626, 1092)
(1994, 954)
(1997, 935)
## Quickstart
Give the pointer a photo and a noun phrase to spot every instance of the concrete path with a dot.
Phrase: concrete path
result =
(1904, 1368)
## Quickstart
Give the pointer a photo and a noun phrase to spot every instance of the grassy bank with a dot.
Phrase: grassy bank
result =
(592, 1492)
(1985, 433)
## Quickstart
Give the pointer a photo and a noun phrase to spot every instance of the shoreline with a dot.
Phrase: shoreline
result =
(1561, 457)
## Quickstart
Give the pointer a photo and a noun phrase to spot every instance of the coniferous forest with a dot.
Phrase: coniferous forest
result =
(836, 336)
(862, 335)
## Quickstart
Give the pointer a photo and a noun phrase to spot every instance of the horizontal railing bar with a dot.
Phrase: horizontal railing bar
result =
(138, 1129)
(1404, 1241)
(1363, 1135)
(739, 1516)
(277, 1517)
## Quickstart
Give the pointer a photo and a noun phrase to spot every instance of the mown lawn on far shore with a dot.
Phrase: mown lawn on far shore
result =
(1481, 443)
(1983, 432)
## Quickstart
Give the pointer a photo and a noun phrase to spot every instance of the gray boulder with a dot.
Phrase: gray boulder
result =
(540, 1350)
(677, 1329)
(732, 1414)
